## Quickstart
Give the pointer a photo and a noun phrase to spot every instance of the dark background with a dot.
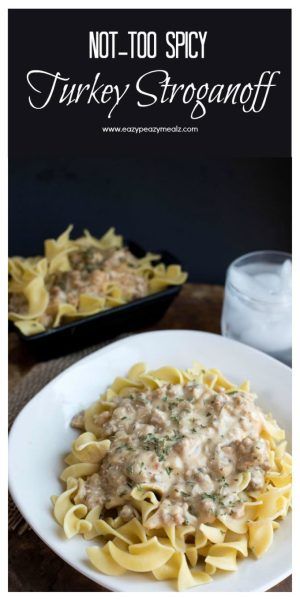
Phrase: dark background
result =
(207, 212)
(206, 197)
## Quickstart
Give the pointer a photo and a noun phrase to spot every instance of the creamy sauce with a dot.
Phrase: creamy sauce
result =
(92, 272)
(17, 303)
(188, 443)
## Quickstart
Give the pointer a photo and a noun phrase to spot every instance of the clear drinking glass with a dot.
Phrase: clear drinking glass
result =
(257, 308)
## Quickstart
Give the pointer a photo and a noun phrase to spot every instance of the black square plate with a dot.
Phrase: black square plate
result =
(107, 324)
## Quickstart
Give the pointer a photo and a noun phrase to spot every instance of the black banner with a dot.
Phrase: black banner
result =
(152, 82)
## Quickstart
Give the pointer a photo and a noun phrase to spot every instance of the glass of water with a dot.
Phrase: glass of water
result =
(257, 308)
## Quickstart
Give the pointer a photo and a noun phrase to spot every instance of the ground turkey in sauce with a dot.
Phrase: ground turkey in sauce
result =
(188, 443)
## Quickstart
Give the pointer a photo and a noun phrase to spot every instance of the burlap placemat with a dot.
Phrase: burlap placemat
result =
(30, 385)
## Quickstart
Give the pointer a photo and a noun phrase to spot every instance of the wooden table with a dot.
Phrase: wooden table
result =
(32, 565)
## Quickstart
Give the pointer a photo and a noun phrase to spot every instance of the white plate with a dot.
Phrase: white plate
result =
(41, 436)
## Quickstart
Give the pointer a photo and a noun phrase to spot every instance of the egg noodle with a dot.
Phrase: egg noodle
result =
(180, 474)
(80, 277)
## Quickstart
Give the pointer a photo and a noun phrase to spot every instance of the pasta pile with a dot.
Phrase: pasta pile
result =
(189, 554)
(81, 277)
